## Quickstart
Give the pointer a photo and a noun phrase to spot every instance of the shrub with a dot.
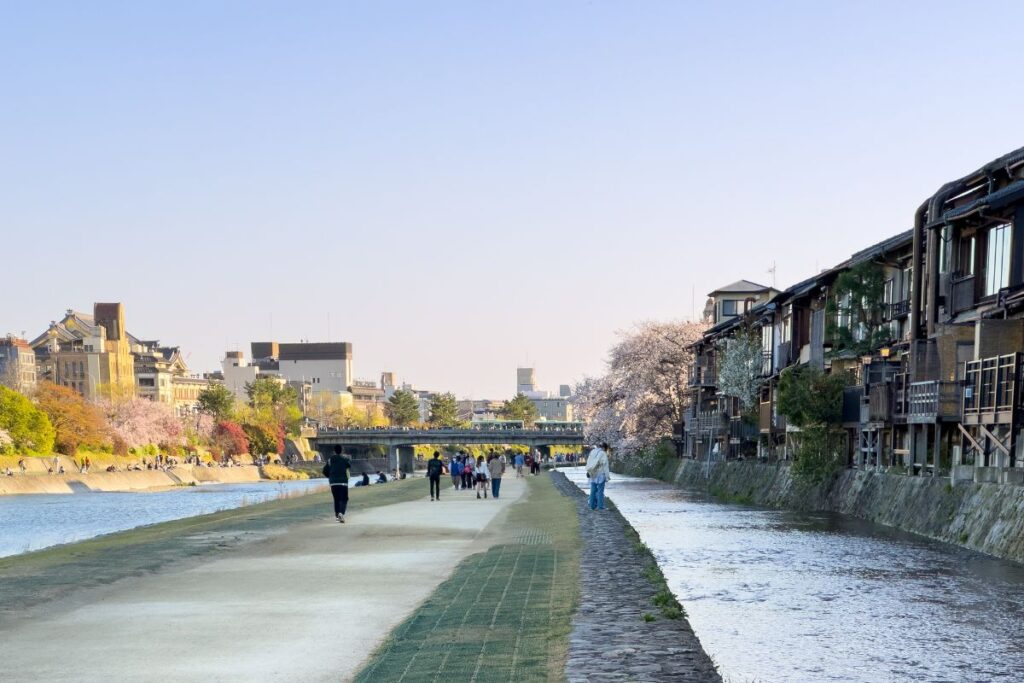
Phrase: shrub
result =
(230, 439)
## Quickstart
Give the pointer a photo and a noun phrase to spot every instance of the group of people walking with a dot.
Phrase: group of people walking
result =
(468, 474)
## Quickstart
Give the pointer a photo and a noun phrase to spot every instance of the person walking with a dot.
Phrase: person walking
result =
(468, 472)
(520, 461)
(456, 470)
(480, 474)
(337, 472)
(435, 468)
(598, 472)
(495, 468)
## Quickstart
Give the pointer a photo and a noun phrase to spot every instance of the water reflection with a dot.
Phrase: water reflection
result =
(783, 596)
(32, 522)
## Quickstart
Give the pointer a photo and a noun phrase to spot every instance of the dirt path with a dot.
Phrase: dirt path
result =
(307, 605)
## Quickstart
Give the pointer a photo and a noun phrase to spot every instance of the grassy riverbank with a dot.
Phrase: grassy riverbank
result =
(504, 614)
(52, 573)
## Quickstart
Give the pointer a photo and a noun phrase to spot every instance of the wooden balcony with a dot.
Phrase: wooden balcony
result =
(930, 402)
(991, 390)
(740, 430)
(702, 376)
(898, 309)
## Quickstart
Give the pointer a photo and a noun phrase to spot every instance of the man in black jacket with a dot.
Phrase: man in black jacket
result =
(435, 468)
(337, 472)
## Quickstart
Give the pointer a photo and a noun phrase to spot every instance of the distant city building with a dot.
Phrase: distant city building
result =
(17, 364)
(366, 393)
(555, 409)
(91, 354)
(326, 366)
(237, 373)
(526, 381)
(162, 375)
(482, 409)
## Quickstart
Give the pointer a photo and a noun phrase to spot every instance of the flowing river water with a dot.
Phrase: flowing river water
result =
(32, 522)
(785, 596)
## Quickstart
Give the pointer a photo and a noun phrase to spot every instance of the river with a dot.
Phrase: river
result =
(32, 522)
(784, 596)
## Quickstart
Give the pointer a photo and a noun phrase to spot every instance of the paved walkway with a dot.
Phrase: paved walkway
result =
(610, 641)
(307, 605)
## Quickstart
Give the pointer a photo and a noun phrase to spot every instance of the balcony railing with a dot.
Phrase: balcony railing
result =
(702, 376)
(929, 402)
(897, 310)
(991, 389)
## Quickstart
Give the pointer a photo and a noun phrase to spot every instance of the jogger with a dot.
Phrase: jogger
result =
(337, 472)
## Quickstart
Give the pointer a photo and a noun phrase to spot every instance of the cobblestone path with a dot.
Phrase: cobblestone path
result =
(610, 639)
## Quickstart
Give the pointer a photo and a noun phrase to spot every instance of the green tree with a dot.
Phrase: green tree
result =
(813, 401)
(444, 411)
(856, 310)
(520, 408)
(217, 401)
(28, 428)
(269, 392)
(402, 408)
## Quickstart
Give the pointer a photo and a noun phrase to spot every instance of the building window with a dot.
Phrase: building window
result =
(729, 307)
(997, 259)
(965, 257)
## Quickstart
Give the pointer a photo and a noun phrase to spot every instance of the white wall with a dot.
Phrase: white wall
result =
(334, 376)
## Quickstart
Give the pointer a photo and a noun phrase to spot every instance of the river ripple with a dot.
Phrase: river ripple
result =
(784, 596)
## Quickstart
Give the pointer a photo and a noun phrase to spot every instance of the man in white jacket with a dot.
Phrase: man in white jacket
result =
(598, 473)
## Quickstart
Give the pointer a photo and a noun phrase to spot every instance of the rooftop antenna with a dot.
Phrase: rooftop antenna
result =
(772, 271)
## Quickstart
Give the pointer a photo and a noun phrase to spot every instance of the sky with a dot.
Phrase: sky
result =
(461, 188)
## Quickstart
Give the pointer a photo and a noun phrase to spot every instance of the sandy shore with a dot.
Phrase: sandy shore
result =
(304, 602)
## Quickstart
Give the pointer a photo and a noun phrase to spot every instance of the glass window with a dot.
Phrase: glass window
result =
(965, 257)
(997, 259)
(729, 307)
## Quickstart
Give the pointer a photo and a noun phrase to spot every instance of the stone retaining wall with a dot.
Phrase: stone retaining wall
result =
(72, 482)
(985, 517)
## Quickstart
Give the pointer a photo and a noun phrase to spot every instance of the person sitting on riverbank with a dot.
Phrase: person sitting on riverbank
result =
(10, 472)
(382, 478)
(364, 481)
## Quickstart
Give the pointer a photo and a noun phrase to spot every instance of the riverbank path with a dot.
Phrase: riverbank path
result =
(298, 601)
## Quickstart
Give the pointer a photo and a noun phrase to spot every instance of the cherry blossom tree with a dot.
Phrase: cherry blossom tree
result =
(141, 422)
(643, 394)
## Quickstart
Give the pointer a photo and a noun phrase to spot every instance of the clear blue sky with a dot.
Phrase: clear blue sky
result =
(467, 187)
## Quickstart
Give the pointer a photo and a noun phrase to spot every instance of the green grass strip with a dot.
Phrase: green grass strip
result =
(505, 614)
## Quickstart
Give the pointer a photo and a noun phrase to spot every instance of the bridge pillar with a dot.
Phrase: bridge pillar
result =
(544, 452)
(402, 458)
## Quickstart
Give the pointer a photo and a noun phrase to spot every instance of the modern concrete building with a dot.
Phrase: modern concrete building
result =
(526, 381)
(326, 366)
(554, 409)
(237, 373)
(17, 364)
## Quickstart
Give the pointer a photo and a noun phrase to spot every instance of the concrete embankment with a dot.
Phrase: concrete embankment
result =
(985, 517)
(72, 482)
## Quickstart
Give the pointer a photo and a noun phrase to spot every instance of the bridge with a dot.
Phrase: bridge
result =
(399, 441)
